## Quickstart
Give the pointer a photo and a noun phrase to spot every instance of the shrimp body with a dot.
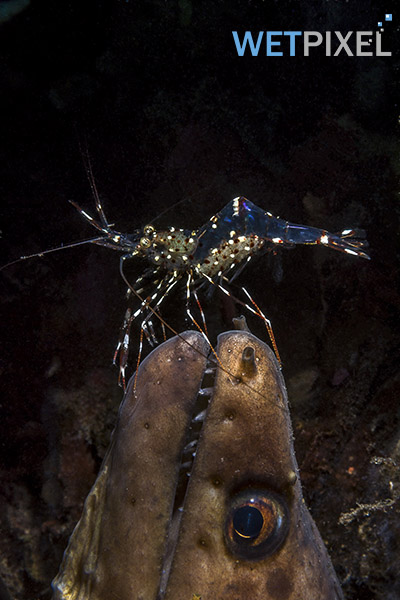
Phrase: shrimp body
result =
(233, 236)
(215, 253)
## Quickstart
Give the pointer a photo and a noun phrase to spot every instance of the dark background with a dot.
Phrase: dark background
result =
(155, 94)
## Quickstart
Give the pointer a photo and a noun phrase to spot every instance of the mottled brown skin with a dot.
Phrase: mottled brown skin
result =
(247, 438)
(118, 549)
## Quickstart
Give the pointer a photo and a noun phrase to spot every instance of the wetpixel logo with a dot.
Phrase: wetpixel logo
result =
(297, 43)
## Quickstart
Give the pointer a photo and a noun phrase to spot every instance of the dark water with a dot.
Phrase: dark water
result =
(170, 113)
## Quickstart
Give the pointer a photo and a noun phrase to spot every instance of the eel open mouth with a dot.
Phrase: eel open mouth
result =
(198, 417)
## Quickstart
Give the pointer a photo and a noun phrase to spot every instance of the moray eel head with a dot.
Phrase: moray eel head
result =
(199, 496)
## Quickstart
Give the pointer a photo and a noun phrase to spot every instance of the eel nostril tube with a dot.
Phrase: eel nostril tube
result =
(248, 362)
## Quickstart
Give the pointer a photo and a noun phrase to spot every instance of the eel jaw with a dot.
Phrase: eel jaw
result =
(188, 457)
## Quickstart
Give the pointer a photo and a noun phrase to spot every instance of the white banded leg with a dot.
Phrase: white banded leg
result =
(189, 313)
(255, 311)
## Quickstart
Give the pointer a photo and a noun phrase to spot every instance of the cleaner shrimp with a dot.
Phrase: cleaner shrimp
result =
(216, 253)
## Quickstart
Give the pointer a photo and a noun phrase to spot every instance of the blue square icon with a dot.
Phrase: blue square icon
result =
(380, 24)
(388, 17)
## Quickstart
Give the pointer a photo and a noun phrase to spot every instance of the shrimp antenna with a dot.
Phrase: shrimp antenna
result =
(187, 199)
(62, 247)
(87, 163)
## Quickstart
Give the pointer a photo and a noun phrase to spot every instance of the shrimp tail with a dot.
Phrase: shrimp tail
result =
(351, 241)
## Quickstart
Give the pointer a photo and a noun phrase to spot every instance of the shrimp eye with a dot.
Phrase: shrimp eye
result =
(257, 524)
(148, 230)
(145, 242)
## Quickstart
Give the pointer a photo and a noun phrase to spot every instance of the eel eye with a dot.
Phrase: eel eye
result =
(145, 242)
(148, 230)
(257, 524)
